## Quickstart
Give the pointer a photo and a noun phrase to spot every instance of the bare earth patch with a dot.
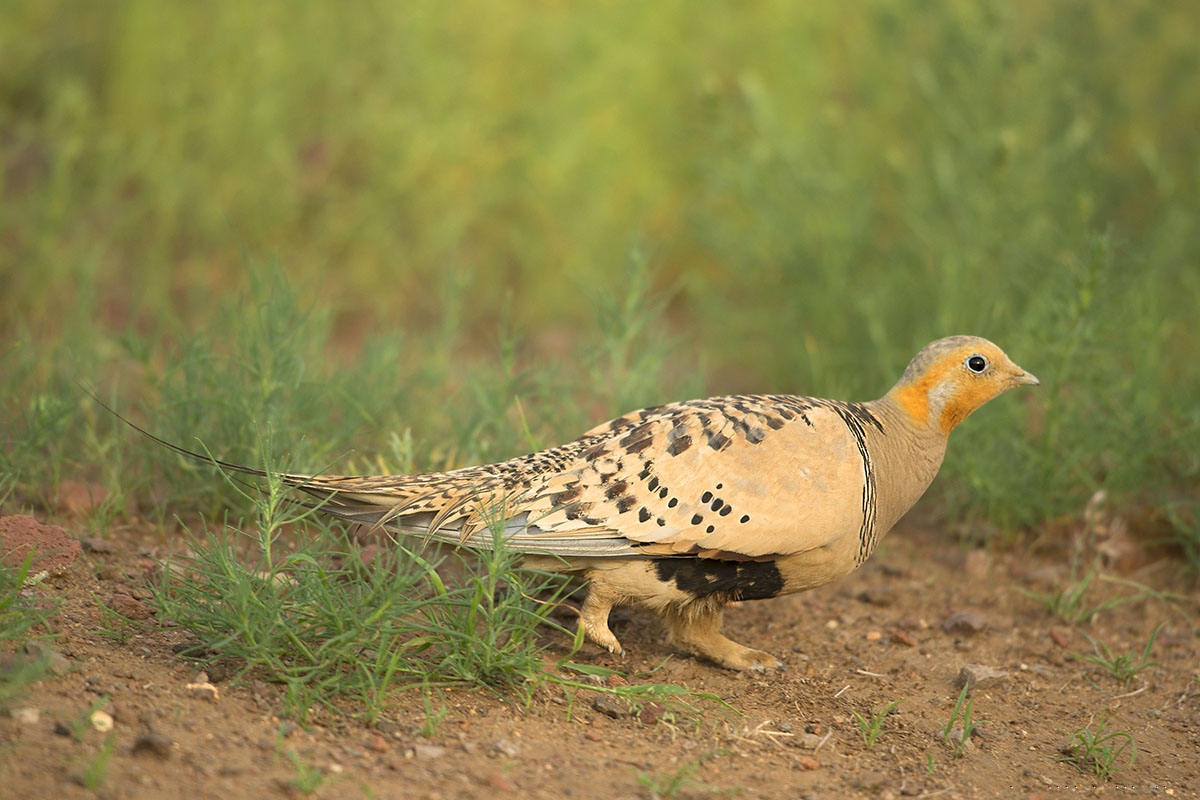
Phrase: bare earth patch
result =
(903, 628)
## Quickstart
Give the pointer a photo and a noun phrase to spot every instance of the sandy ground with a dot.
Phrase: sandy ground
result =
(901, 629)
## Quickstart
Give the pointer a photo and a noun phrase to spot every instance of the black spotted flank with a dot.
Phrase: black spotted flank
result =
(704, 498)
(745, 518)
(625, 503)
(697, 519)
(653, 484)
(739, 580)
(643, 514)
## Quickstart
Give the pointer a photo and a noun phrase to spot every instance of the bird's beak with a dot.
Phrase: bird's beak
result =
(1024, 378)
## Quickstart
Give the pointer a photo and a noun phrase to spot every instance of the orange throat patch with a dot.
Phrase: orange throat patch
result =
(957, 405)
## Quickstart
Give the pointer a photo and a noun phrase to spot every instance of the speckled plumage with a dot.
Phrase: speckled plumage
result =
(682, 508)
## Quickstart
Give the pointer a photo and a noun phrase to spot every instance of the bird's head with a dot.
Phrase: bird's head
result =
(952, 377)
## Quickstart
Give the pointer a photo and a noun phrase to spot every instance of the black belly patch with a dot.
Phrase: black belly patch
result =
(740, 580)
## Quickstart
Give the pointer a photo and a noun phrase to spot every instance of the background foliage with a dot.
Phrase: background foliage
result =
(406, 228)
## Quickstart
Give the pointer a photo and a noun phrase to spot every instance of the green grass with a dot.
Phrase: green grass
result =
(308, 778)
(870, 727)
(669, 785)
(961, 714)
(1122, 666)
(1069, 603)
(1098, 751)
(95, 774)
(19, 617)
(331, 626)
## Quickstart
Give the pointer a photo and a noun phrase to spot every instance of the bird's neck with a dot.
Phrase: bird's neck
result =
(908, 451)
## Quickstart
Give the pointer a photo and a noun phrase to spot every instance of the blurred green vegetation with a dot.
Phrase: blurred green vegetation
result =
(451, 191)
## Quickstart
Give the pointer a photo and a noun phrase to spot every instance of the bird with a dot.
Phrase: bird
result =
(684, 508)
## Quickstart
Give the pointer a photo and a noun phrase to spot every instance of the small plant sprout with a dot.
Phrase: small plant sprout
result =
(870, 727)
(1069, 603)
(1097, 751)
(1123, 666)
(959, 736)
(669, 785)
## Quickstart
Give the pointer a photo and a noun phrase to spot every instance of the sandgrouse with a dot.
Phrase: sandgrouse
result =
(683, 508)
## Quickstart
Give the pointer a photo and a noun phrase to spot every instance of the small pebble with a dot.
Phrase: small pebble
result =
(497, 780)
(507, 748)
(651, 713)
(964, 622)
(56, 662)
(610, 706)
(152, 744)
(876, 597)
(203, 690)
(27, 716)
(808, 741)
(427, 751)
(979, 676)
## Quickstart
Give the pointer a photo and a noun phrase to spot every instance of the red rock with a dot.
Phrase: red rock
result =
(54, 551)
(498, 781)
(129, 606)
(651, 713)
(1061, 638)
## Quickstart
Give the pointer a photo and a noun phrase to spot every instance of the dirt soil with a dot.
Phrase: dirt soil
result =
(901, 629)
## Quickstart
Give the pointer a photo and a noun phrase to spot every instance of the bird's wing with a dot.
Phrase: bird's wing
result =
(727, 477)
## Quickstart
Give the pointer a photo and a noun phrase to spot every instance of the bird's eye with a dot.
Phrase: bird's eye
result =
(977, 364)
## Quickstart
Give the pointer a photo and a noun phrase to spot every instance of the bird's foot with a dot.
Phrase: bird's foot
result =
(701, 634)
